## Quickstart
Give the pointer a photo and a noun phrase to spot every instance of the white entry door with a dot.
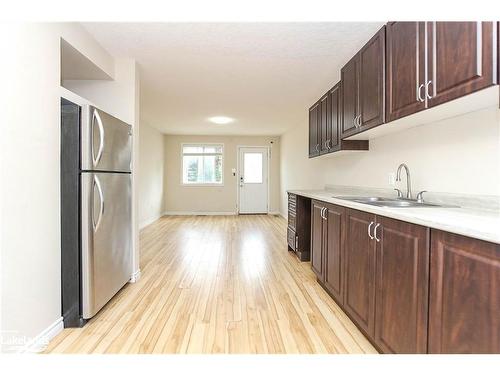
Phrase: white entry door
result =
(253, 184)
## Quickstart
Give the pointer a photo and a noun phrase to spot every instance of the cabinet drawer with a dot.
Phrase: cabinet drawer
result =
(291, 238)
(292, 220)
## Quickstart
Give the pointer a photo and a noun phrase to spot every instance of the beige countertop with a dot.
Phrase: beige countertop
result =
(476, 223)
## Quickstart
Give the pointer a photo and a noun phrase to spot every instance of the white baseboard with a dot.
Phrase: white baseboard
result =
(145, 223)
(135, 276)
(40, 342)
(209, 213)
(198, 213)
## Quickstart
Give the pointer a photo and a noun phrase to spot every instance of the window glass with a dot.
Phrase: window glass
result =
(202, 164)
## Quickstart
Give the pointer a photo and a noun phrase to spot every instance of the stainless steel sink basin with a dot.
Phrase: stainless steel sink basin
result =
(389, 202)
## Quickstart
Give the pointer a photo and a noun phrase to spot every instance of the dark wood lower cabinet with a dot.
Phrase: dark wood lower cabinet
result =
(332, 249)
(408, 288)
(401, 286)
(326, 245)
(317, 238)
(464, 311)
(359, 258)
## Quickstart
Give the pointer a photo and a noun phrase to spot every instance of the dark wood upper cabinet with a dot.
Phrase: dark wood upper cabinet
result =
(335, 116)
(460, 59)
(464, 311)
(405, 66)
(317, 238)
(363, 87)
(325, 123)
(350, 98)
(359, 270)
(314, 130)
(332, 248)
(402, 286)
(372, 82)
(334, 122)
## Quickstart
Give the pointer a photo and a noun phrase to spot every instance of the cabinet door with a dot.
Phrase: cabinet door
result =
(402, 286)
(350, 99)
(464, 314)
(332, 247)
(460, 59)
(317, 239)
(325, 127)
(313, 131)
(335, 116)
(359, 285)
(405, 69)
(372, 82)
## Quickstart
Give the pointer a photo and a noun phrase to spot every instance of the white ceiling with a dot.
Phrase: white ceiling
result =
(265, 75)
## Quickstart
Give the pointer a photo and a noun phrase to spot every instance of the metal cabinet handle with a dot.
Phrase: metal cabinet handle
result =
(97, 118)
(323, 212)
(97, 184)
(427, 90)
(369, 233)
(359, 121)
(419, 93)
(375, 232)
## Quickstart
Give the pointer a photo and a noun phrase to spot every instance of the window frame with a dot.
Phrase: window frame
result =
(198, 144)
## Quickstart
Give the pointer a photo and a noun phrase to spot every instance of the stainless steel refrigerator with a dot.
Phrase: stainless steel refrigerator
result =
(105, 209)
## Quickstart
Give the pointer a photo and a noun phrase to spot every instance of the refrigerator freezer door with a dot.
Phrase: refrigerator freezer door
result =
(106, 142)
(106, 238)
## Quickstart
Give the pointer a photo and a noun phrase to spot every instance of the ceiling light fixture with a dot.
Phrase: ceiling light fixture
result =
(221, 120)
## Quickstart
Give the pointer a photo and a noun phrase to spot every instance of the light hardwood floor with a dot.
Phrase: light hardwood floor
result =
(218, 284)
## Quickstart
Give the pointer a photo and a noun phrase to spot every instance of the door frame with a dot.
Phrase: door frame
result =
(238, 148)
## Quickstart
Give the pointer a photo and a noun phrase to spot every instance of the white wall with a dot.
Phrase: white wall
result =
(179, 198)
(457, 155)
(151, 172)
(30, 196)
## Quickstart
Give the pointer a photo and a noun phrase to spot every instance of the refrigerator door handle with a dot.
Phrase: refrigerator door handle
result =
(97, 118)
(97, 184)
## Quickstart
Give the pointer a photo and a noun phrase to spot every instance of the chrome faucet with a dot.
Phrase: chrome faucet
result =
(408, 180)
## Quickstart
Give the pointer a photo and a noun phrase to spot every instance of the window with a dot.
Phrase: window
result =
(202, 164)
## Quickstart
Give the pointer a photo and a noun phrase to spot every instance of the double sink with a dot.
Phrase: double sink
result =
(390, 202)
(398, 202)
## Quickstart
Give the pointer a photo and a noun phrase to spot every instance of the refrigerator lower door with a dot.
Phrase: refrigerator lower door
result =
(106, 237)
(106, 142)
